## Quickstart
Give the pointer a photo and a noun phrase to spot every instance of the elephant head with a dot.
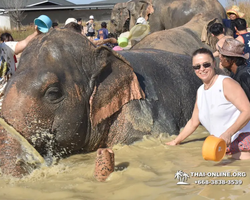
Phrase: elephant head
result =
(119, 22)
(63, 96)
(124, 15)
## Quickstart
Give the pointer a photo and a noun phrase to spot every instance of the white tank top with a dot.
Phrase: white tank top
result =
(216, 113)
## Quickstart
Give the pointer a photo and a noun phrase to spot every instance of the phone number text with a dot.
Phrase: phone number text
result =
(219, 182)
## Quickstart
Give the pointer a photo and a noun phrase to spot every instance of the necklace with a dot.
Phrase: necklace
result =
(206, 87)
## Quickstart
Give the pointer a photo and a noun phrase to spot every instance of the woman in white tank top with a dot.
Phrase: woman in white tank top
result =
(221, 106)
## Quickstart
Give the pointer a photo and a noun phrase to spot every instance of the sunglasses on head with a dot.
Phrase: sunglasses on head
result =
(205, 65)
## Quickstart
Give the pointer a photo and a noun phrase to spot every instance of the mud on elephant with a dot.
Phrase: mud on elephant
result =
(70, 97)
(161, 14)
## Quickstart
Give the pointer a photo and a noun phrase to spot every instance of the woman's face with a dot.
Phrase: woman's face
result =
(204, 65)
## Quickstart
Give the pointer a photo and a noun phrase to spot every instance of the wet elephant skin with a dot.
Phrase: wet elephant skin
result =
(69, 97)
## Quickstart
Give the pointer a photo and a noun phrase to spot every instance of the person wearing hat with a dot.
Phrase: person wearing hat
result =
(221, 107)
(244, 35)
(232, 57)
(232, 14)
(69, 20)
(103, 32)
(90, 27)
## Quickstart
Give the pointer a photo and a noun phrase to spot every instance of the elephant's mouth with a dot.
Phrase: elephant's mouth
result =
(29, 156)
(126, 25)
(148, 17)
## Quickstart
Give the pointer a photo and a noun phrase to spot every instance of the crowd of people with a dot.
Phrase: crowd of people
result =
(222, 102)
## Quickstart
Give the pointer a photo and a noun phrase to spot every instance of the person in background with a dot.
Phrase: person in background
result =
(229, 24)
(54, 25)
(221, 107)
(244, 35)
(217, 31)
(69, 20)
(141, 20)
(73, 27)
(7, 51)
(109, 42)
(79, 21)
(71, 24)
(6, 37)
(5, 70)
(91, 27)
(232, 57)
(103, 32)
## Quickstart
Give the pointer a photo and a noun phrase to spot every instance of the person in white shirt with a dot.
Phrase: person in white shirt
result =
(221, 106)
(9, 49)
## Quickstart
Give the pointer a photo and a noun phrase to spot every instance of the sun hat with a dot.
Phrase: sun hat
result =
(141, 20)
(233, 48)
(235, 10)
(69, 20)
(91, 17)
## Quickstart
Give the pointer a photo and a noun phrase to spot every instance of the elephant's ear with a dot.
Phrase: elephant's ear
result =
(114, 84)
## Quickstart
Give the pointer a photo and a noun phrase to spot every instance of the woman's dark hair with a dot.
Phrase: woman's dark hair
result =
(5, 37)
(238, 60)
(203, 51)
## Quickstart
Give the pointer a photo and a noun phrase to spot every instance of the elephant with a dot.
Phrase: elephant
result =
(161, 14)
(124, 15)
(69, 96)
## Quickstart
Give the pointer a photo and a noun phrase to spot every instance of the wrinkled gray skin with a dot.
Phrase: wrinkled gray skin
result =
(166, 14)
(68, 97)
(183, 39)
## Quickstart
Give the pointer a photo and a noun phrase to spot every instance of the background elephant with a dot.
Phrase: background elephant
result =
(183, 39)
(68, 97)
(161, 14)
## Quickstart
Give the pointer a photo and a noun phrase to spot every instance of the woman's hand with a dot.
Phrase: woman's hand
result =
(227, 137)
(171, 143)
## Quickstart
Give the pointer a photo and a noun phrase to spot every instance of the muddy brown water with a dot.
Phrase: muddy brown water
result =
(145, 170)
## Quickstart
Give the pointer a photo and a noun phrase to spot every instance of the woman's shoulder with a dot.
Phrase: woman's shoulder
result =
(222, 77)
(229, 82)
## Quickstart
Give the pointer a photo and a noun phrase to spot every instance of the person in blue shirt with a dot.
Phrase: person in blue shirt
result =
(103, 32)
(243, 35)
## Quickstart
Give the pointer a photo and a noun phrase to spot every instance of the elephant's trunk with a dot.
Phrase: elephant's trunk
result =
(105, 164)
(17, 156)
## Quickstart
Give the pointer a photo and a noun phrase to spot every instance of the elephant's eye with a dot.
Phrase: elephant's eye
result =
(54, 94)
